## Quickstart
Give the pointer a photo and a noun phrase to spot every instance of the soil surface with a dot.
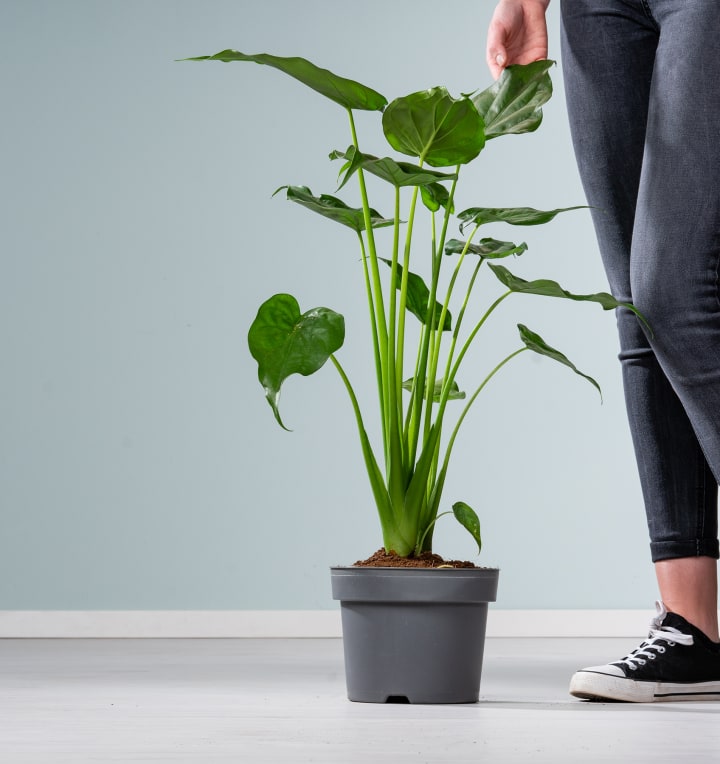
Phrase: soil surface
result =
(383, 559)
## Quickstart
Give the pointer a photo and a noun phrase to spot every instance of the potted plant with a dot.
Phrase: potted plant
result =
(414, 633)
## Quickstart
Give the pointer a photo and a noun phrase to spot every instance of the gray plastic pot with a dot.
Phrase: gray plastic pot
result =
(414, 635)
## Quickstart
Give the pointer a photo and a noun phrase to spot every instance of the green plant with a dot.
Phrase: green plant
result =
(408, 473)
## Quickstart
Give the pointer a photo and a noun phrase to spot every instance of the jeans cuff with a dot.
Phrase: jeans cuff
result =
(668, 550)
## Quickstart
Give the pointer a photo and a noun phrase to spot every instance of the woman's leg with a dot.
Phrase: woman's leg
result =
(657, 218)
(644, 106)
(675, 259)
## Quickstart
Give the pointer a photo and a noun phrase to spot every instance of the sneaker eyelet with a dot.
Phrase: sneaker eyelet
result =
(661, 649)
(652, 656)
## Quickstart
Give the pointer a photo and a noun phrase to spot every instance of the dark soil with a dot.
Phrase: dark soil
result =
(383, 559)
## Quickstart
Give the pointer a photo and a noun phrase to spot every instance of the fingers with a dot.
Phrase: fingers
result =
(504, 23)
(495, 52)
(517, 34)
(496, 60)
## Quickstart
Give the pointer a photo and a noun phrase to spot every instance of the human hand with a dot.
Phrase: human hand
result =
(517, 34)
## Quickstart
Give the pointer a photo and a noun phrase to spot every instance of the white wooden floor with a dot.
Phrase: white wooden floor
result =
(281, 700)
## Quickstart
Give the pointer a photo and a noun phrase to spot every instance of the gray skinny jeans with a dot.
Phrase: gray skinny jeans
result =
(642, 81)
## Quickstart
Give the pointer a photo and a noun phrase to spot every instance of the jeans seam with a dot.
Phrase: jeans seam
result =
(717, 276)
(648, 12)
(701, 496)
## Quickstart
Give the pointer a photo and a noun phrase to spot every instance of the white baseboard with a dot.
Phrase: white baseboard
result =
(189, 624)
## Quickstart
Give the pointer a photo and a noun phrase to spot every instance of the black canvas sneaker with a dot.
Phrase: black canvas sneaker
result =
(676, 662)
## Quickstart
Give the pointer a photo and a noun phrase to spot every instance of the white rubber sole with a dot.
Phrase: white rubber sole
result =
(591, 685)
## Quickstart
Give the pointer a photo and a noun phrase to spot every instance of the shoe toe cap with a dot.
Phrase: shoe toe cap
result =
(608, 669)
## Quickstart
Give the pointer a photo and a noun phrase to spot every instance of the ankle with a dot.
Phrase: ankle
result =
(688, 587)
(707, 623)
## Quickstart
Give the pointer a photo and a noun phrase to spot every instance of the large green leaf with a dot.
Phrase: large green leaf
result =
(455, 394)
(440, 130)
(538, 345)
(512, 104)
(434, 196)
(549, 288)
(486, 248)
(347, 93)
(283, 342)
(418, 298)
(512, 215)
(399, 174)
(469, 520)
(334, 208)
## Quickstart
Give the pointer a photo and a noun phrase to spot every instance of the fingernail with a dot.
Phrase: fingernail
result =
(499, 59)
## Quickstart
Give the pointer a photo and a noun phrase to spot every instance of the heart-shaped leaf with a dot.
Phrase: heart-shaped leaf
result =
(347, 93)
(512, 215)
(418, 298)
(538, 345)
(486, 248)
(440, 130)
(469, 520)
(512, 104)
(334, 208)
(283, 342)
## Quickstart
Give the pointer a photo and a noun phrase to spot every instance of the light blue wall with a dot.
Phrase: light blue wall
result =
(139, 465)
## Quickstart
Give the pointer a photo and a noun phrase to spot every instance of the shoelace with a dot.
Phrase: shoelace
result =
(651, 647)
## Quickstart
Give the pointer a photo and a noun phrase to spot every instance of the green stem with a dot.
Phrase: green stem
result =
(437, 489)
(379, 303)
(419, 547)
(402, 308)
(394, 463)
(466, 346)
(438, 479)
(409, 421)
(374, 334)
(465, 410)
(394, 375)
(415, 405)
(433, 333)
(350, 391)
(438, 254)
(438, 249)
(461, 315)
